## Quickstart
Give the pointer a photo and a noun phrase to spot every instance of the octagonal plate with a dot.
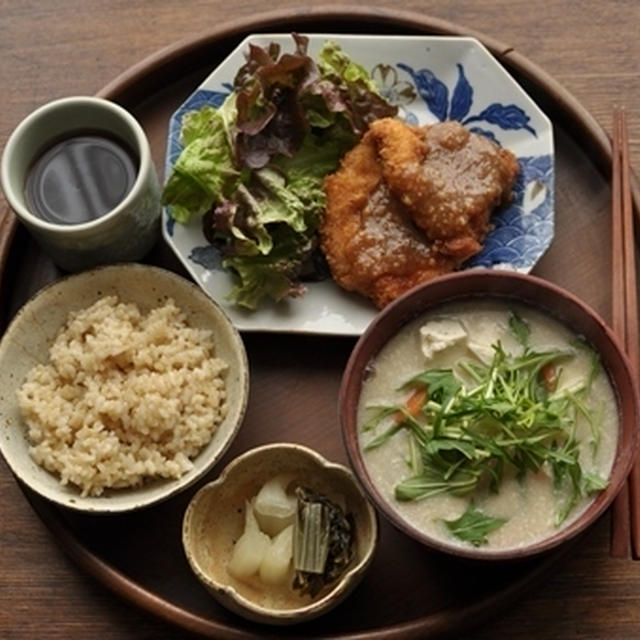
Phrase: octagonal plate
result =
(430, 79)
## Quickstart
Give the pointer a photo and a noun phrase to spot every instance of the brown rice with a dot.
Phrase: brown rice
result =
(125, 397)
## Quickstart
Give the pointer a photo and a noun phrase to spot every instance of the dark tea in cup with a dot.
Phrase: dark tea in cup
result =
(80, 178)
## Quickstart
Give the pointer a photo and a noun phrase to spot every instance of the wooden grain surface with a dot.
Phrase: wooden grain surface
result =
(64, 47)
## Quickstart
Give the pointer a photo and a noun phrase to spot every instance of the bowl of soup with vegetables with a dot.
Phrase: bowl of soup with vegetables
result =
(489, 414)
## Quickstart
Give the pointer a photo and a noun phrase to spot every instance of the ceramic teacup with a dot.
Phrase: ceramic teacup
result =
(124, 232)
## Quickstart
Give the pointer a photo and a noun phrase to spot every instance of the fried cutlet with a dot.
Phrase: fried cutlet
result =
(449, 178)
(408, 204)
(367, 235)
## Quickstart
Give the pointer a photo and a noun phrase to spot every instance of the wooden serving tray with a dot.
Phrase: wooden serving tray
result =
(409, 591)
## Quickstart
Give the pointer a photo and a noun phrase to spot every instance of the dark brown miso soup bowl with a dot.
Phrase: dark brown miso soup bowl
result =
(512, 288)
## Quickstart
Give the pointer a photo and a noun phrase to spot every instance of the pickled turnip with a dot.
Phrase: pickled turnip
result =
(250, 549)
(276, 564)
(275, 509)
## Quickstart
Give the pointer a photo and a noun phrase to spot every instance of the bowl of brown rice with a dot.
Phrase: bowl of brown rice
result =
(120, 387)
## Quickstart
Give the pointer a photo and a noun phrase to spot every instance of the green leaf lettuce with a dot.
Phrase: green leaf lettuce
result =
(205, 170)
(254, 169)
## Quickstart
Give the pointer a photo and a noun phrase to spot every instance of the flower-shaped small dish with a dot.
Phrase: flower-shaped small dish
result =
(489, 414)
(112, 412)
(216, 519)
(430, 79)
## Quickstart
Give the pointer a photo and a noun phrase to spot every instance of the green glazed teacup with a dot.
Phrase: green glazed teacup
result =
(125, 232)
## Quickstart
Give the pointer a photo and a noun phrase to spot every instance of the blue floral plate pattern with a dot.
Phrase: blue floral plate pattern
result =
(430, 79)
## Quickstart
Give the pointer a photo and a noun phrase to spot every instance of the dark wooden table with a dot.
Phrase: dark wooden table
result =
(65, 47)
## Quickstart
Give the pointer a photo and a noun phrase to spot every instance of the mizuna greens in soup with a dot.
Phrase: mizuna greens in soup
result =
(488, 425)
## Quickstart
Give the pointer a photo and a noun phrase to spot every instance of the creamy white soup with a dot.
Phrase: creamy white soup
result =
(525, 459)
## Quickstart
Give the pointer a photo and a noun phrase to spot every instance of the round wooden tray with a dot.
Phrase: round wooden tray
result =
(408, 591)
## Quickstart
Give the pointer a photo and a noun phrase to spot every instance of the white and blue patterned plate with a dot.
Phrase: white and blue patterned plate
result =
(430, 79)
